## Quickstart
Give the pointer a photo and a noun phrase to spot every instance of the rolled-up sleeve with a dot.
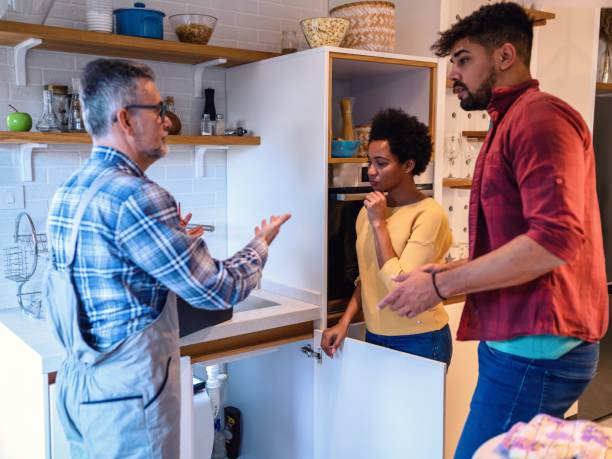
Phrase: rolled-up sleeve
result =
(149, 231)
(549, 167)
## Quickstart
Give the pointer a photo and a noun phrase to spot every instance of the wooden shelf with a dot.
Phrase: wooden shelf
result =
(604, 88)
(460, 183)
(347, 160)
(108, 44)
(78, 138)
(540, 17)
(474, 134)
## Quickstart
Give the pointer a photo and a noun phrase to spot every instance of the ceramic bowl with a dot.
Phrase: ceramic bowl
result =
(344, 148)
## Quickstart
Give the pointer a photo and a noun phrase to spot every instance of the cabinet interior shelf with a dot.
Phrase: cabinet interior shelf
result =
(108, 44)
(82, 138)
(347, 160)
(604, 88)
(460, 183)
(474, 134)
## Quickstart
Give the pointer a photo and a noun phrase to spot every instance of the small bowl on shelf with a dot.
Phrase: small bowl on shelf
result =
(193, 28)
(324, 31)
(344, 148)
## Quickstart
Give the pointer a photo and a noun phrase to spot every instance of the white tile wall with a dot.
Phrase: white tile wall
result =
(249, 24)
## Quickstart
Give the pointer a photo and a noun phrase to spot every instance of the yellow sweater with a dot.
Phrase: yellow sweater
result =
(420, 234)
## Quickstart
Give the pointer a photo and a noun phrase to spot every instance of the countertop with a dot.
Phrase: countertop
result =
(34, 340)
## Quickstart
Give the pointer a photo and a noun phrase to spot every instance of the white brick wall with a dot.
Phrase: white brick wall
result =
(249, 24)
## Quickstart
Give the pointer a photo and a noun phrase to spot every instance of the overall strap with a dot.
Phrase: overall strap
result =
(97, 184)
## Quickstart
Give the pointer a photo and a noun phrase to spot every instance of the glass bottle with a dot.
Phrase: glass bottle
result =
(47, 121)
(206, 128)
(288, 42)
(220, 125)
(75, 115)
(175, 122)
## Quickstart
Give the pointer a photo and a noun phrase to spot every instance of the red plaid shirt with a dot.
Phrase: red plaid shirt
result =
(535, 175)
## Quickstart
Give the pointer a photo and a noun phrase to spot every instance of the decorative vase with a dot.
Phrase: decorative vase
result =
(346, 105)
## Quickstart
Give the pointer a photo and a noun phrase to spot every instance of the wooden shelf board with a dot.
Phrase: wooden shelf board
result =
(474, 134)
(82, 138)
(347, 160)
(604, 88)
(540, 17)
(108, 44)
(461, 183)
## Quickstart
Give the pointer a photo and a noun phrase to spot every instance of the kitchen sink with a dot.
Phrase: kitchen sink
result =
(193, 319)
(253, 302)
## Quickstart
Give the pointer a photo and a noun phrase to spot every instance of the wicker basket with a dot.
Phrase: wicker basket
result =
(372, 25)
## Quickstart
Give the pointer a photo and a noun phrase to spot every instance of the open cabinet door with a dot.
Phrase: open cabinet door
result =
(373, 402)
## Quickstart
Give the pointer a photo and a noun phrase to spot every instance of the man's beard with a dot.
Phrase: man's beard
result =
(480, 99)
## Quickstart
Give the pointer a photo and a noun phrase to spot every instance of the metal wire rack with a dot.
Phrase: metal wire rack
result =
(21, 261)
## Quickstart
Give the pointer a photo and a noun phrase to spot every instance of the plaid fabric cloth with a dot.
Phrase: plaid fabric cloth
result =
(131, 250)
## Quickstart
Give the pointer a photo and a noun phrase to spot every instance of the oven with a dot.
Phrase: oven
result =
(347, 188)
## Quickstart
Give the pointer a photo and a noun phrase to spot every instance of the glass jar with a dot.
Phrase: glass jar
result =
(288, 42)
(60, 103)
(219, 125)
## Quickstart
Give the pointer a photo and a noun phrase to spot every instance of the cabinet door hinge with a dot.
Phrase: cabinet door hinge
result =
(310, 352)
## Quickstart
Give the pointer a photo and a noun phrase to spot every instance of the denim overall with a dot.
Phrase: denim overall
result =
(123, 402)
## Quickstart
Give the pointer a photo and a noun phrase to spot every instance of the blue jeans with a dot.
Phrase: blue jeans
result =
(435, 345)
(512, 389)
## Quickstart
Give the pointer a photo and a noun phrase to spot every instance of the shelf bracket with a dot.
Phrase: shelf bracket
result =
(25, 154)
(20, 52)
(200, 156)
(198, 82)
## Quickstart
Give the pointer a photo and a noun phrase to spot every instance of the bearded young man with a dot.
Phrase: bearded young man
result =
(535, 278)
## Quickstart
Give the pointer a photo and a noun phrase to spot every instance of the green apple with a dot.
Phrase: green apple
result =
(18, 121)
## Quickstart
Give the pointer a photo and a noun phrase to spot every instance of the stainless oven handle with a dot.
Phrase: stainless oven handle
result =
(350, 196)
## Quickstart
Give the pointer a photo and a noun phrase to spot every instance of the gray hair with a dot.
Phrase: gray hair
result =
(106, 86)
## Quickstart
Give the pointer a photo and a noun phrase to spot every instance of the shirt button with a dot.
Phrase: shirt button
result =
(419, 322)
(559, 181)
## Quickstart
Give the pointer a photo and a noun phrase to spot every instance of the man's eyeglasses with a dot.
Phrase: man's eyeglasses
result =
(162, 108)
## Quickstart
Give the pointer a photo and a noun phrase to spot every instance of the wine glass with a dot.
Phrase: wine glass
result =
(469, 153)
(451, 152)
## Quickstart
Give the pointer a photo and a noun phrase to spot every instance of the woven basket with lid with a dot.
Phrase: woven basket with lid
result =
(372, 25)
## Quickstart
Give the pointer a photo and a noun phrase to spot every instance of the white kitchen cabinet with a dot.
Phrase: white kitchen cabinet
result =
(291, 102)
(367, 402)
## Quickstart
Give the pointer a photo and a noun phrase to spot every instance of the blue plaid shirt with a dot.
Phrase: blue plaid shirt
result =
(131, 250)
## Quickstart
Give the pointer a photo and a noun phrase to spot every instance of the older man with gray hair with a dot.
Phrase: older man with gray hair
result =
(119, 253)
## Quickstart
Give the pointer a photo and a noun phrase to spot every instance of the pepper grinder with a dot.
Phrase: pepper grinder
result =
(346, 105)
(209, 104)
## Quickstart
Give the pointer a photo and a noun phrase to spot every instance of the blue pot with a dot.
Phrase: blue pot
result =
(139, 22)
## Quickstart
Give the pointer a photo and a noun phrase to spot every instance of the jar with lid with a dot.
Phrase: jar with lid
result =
(60, 103)
(219, 125)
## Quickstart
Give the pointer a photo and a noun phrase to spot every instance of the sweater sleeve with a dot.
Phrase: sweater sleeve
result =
(429, 239)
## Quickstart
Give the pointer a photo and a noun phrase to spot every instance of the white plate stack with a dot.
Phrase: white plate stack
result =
(99, 15)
